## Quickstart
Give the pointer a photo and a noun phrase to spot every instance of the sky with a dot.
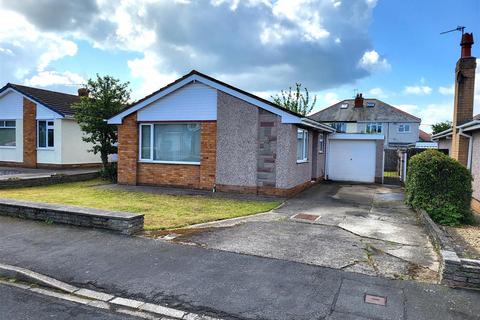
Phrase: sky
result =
(386, 49)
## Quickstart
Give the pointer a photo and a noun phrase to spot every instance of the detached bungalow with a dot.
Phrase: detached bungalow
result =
(37, 130)
(199, 132)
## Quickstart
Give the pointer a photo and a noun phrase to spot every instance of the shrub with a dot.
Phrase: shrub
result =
(441, 186)
(109, 172)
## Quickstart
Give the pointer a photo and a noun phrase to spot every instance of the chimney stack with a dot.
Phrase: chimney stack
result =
(82, 92)
(464, 95)
(359, 101)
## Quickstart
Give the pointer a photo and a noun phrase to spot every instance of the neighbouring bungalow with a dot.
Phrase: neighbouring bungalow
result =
(199, 132)
(38, 130)
(463, 140)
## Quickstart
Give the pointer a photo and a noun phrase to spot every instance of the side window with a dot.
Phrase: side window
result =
(46, 134)
(302, 145)
(321, 143)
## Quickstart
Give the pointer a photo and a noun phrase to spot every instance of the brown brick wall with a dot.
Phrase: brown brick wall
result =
(132, 172)
(475, 205)
(128, 150)
(29, 134)
(208, 140)
(463, 105)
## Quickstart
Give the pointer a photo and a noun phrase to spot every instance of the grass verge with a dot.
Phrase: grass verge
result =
(161, 211)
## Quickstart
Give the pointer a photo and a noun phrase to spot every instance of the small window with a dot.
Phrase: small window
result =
(404, 128)
(374, 127)
(321, 143)
(370, 104)
(340, 127)
(344, 106)
(302, 145)
(146, 141)
(7, 133)
(46, 134)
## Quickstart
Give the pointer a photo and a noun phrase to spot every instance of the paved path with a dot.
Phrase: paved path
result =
(224, 284)
(17, 304)
(360, 228)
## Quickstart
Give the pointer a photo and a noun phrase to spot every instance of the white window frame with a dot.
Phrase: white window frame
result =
(304, 146)
(321, 143)
(342, 124)
(9, 127)
(376, 125)
(150, 160)
(403, 128)
(47, 126)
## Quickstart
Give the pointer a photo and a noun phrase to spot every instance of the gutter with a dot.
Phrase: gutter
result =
(317, 125)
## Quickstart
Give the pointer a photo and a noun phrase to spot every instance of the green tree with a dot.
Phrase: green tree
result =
(105, 96)
(441, 126)
(295, 100)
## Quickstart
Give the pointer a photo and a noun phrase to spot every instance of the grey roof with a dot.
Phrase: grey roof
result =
(380, 112)
(56, 101)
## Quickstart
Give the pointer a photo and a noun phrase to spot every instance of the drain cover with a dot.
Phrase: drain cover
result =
(304, 216)
(381, 301)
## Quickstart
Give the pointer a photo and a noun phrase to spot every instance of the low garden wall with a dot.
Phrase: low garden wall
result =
(454, 271)
(21, 182)
(122, 222)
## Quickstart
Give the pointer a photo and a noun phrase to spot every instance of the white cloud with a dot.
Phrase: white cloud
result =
(377, 93)
(231, 38)
(447, 91)
(418, 90)
(372, 61)
(331, 98)
(430, 114)
(52, 78)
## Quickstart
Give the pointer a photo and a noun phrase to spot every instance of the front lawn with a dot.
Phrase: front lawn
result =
(161, 211)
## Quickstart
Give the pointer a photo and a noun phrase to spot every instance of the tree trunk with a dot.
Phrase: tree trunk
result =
(104, 157)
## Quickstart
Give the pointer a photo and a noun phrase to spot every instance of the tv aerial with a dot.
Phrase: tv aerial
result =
(458, 28)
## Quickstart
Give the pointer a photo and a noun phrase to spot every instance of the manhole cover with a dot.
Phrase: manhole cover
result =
(304, 216)
(381, 301)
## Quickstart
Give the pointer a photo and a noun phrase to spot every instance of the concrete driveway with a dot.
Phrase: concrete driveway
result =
(358, 228)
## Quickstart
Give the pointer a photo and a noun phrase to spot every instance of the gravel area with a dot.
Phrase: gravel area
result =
(467, 240)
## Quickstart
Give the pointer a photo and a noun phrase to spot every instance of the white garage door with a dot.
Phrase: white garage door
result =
(352, 160)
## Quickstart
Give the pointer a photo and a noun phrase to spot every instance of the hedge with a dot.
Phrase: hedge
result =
(441, 186)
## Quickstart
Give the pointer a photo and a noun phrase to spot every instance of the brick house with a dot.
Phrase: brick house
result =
(37, 130)
(199, 132)
(463, 140)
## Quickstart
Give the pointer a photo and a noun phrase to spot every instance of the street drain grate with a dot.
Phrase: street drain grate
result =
(304, 216)
(381, 301)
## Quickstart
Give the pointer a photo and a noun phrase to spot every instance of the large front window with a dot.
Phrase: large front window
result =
(302, 145)
(46, 134)
(7, 133)
(374, 127)
(170, 143)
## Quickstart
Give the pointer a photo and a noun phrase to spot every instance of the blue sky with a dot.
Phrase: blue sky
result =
(386, 49)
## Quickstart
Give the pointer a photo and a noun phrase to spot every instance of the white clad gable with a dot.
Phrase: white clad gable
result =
(44, 113)
(11, 106)
(192, 102)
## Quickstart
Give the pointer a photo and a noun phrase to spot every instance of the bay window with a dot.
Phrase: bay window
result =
(170, 143)
(302, 145)
(45, 134)
(7, 133)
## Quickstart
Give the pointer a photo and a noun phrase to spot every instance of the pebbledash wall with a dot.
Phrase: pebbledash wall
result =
(476, 172)
(247, 149)
(69, 149)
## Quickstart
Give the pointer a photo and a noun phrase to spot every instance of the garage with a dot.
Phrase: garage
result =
(355, 157)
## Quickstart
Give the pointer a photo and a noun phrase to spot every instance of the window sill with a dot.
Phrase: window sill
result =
(302, 161)
(170, 162)
(8, 147)
(45, 149)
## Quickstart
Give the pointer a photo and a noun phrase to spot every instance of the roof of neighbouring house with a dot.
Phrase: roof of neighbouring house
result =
(56, 101)
(423, 136)
(372, 110)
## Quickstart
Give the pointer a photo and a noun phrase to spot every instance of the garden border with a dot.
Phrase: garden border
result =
(454, 271)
